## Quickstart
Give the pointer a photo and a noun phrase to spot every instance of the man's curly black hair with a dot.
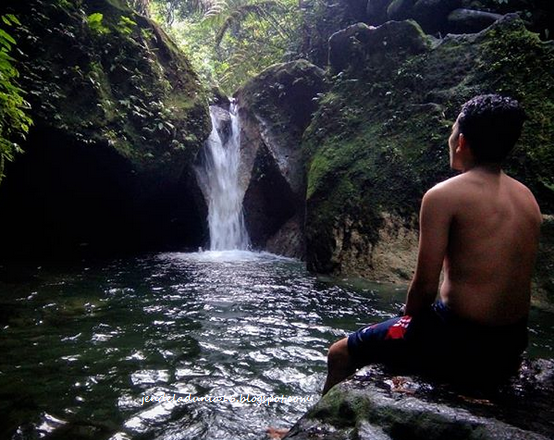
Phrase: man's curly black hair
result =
(492, 125)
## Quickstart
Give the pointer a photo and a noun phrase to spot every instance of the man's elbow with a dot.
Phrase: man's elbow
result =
(425, 287)
(420, 296)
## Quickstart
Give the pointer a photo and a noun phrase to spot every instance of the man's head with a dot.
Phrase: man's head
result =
(490, 125)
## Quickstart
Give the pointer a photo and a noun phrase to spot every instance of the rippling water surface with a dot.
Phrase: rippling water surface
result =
(83, 346)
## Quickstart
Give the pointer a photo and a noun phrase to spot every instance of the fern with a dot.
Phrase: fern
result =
(14, 118)
(235, 14)
(95, 23)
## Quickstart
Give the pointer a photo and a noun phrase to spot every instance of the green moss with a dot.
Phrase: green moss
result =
(515, 62)
(544, 282)
(129, 89)
(281, 96)
(341, 409)
(382, 130)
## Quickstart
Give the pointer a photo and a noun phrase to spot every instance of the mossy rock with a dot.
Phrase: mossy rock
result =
(275, 108)
(119, 116)
(122, 83)
(282, 95)
(326, 18)
(358, 45)
(377, 403)
(544, 281)
(379, 139)
(400, 9)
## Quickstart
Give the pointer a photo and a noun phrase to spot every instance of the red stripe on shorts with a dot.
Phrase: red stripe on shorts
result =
(398, 329)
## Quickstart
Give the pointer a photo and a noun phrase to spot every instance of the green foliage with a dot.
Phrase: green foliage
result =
(14, 119)
(518, 64)
(9, 20)
(230, 41)
(379, 137)
(167, 11)
(64, 4)
(95, 23)
(126, 25)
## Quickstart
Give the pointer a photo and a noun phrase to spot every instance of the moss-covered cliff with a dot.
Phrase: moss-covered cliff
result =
(378, 140)
(436, 17)
(119, 116)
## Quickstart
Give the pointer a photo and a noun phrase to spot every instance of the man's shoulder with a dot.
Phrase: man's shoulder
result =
(458, 192)
(518, 186)
(444, 196)
(471, 190)
(526, 198)
(447, 188)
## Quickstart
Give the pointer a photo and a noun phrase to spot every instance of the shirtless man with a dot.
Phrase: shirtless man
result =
(482, 229)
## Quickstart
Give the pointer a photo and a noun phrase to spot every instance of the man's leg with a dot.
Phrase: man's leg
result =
(339, 364)
(383, 342)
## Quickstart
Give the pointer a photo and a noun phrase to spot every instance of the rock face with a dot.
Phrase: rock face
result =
(346, 46)
(275, 109)
(447, 16)
(118, 117)
(376, 405)
(543, 283)
(436, 17)
(470, 21)
(379, 138)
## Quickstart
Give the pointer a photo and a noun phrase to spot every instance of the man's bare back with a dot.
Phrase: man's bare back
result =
(493, 240)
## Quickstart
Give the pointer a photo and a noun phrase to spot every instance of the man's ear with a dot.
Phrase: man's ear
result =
(462, 143)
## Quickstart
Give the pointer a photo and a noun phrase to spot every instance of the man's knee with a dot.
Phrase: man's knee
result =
(338, 352)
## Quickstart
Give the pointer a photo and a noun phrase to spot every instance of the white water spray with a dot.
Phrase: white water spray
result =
(219, 180)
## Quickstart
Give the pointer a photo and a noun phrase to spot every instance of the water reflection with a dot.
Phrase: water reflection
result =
(84, 346)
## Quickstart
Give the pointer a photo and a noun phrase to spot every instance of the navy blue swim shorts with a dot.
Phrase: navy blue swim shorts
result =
(438, 340)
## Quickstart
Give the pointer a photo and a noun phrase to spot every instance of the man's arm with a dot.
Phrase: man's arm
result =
(434, 225)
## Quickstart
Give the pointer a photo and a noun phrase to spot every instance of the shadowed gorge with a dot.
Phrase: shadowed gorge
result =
(118, 118)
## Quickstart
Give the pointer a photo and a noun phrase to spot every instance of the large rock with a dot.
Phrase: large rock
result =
(376, 11)
(538, 14)
(432, 14)
(469, 21)
(400, 9)
(543, 282)
(354, 46)
(435, 16)
(379, 139)
(118, 118)
(378, 405)
(323, 19)
(275, 109)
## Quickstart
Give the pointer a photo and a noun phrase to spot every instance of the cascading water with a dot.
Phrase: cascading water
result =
(219, 178)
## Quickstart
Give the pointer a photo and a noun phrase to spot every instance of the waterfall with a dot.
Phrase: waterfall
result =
(218, 176)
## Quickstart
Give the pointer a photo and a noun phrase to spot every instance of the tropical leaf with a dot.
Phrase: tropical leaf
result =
(14, 120)
(236, 13)
(5, 37)
(229, 41)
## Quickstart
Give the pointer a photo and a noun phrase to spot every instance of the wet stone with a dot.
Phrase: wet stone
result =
(377, 404)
